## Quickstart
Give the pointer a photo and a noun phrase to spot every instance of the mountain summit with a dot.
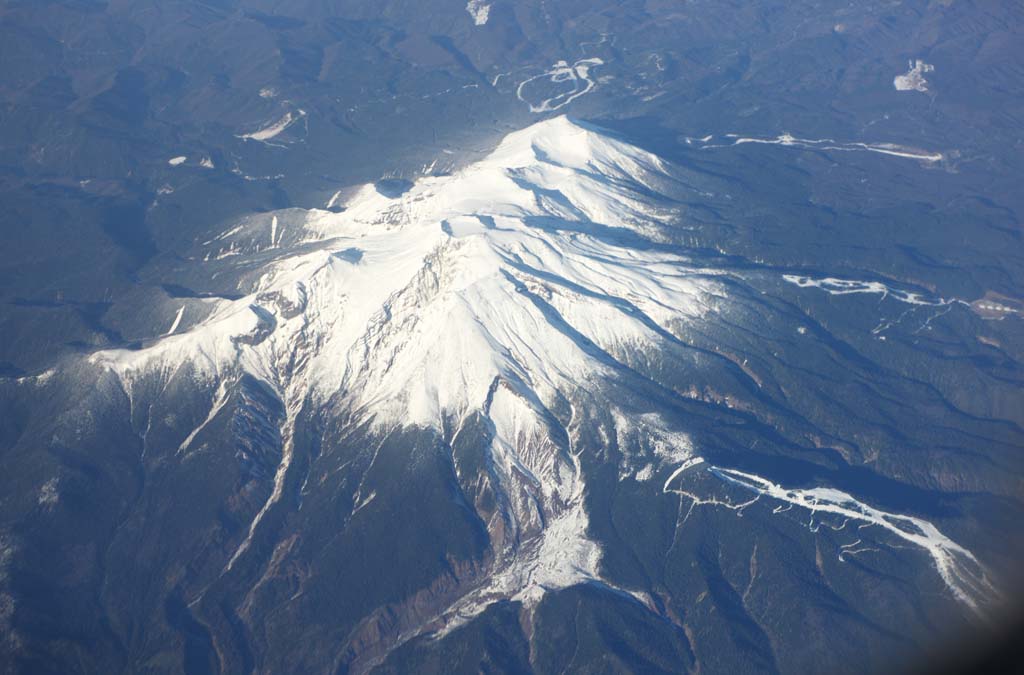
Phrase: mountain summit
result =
(514, 296)
(535, 267)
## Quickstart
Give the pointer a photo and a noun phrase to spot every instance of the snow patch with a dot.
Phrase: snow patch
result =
(689, 463)
(274, 129)
(834, 286)
(335, 200)
(177, 321)
(177, 161)
(645, 473)
(960, 570)
(913, 79)
(648, 437)
(39, 379)
(788, 140)
(479, 10)
(48, 494)
(576, 78)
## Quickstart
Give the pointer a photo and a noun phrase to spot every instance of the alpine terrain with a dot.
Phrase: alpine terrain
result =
(518, 415)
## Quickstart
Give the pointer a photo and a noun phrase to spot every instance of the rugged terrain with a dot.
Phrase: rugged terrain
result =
(462, 408)
(330, 345)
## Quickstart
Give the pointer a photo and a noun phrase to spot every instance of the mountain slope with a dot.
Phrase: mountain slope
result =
(478, 405)
(498, 292)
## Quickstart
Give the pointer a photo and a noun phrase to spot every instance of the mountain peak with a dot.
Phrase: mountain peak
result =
(527, 301)
(409, 308)
(513, 292)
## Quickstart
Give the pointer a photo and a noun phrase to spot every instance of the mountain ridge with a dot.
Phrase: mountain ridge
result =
(512, 383)
(483, 292)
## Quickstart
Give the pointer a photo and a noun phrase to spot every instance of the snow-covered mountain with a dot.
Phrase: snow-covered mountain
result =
(518, 289)
(327, 347)
(459, 395)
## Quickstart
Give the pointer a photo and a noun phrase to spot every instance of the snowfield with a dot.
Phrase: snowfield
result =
(479, 10)
(274, 129)
(913, 79)
(495, 272)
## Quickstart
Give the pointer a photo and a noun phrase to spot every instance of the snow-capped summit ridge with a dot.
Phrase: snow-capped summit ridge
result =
(412, 305)
(570, 143)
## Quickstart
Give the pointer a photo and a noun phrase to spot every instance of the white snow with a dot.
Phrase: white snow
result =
(275, 128)
(644, 437)
(206, 163)
(689, 463)
(788, 140)
(218, 405)
(364, 501)
(834, 286)
(913, 79)
(577, 76)
(39, 379)
(177, 321)
(226, 234)
(479, 10)
(48, 493)
(992, 307)
(177, 161)
(562, 554)
(959, 569)
(645, 473)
